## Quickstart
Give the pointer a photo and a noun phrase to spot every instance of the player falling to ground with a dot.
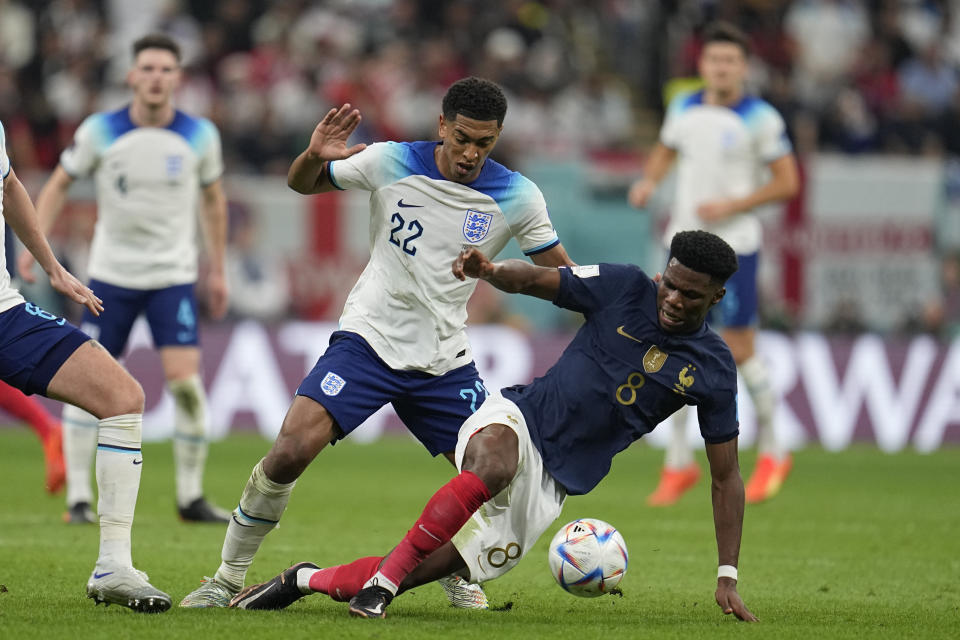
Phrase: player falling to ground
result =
(643, 353)
(25, 408)
(402, 336)
(723, 141)
(149, 162)
(40, 353)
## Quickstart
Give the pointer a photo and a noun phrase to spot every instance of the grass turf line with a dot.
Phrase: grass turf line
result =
(858, 544)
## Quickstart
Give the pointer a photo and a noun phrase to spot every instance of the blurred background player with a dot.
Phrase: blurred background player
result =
(526, 449)
(149, 161)
(723, 140)
(20, 406)
(40, 353)
(402, 337)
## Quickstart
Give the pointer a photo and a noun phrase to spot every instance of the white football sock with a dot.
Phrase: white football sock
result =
(261, 505)
(679, 452)
(380, 580)
(756, 378)
(79, 443)
(189, 438)
(119, 462)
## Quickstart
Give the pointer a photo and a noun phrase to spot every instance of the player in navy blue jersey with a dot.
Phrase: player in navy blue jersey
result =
(644, 352)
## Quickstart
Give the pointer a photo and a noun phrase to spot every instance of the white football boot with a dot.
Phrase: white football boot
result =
(210, 594)
(127, 587)
(462, 594)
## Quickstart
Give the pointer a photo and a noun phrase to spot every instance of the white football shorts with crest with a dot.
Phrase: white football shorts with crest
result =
(505, 527)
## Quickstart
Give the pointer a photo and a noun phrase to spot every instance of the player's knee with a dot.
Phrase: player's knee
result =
(128, 397)
(493, 456)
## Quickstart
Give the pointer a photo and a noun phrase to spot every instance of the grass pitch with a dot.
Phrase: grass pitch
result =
(858, 545)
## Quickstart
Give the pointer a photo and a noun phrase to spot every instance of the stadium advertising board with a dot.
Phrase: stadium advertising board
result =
(893, 393)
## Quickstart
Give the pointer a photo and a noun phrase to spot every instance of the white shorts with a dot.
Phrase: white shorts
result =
(507, 526)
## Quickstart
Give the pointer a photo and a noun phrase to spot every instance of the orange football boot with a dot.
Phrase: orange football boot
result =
(767, 478)
(673, 484)
(53, 453)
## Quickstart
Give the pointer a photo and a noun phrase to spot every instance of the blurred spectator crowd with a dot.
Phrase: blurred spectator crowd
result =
(851, 75)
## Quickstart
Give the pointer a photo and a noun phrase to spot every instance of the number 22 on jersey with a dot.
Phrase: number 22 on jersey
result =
(398, 231)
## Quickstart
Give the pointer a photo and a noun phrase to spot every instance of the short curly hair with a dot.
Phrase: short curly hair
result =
(705, 252)
(475, 98)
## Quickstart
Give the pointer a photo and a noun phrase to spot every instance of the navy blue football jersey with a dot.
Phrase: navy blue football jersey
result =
(621, 376)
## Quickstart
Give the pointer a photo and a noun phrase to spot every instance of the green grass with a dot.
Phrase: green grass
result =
(859, 544)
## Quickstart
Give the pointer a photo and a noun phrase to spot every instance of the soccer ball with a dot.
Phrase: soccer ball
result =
(588, 557)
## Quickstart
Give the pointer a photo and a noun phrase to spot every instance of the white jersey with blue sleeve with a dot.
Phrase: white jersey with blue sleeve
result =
(9, 297)
(722, 152)
(147, 182)
(407, 304)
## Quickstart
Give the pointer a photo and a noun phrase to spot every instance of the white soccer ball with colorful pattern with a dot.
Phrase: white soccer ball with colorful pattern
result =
(588, 557)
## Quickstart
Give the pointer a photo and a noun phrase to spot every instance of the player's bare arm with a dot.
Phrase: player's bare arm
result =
(50, 203)
(309, 173)
(19, 213)
(784, 183)
(553, 257)
(214, 221)
(511, 276)
(727, 493)
(658, 164)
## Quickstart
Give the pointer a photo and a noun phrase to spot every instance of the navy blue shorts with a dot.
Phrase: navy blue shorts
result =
(738, 309)
(34, 345)
(171, 313)
(352, 382)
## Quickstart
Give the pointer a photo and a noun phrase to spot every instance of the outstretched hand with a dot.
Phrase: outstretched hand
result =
(472, 263)
(64, 282)
(25, 262)
(329, 139)
(731, 602)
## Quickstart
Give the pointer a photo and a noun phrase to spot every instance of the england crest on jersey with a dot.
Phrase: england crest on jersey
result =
(332, 384)
(476, 225)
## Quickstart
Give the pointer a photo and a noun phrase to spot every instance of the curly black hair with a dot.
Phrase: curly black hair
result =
(157, 41)
(705, 252)
(475, 98)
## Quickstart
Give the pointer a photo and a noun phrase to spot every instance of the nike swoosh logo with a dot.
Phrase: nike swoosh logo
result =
(627, 335)
(249, 526)
(378, 608)
(97, 576)
(408, 206)
(140, 461)
(422, 528)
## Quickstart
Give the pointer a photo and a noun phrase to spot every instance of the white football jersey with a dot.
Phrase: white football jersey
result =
(9, 297)
(722, 152)
(407, 304)
(147, 182)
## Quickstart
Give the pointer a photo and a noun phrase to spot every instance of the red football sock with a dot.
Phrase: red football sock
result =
(447, 511)
(343, 581)
(14, 402)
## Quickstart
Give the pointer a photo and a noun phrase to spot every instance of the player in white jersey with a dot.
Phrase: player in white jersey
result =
(724, 142)
(149, 162)
(40, 353)
(402, 334)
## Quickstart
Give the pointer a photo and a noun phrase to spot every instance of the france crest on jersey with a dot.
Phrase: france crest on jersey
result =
(476, 225)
